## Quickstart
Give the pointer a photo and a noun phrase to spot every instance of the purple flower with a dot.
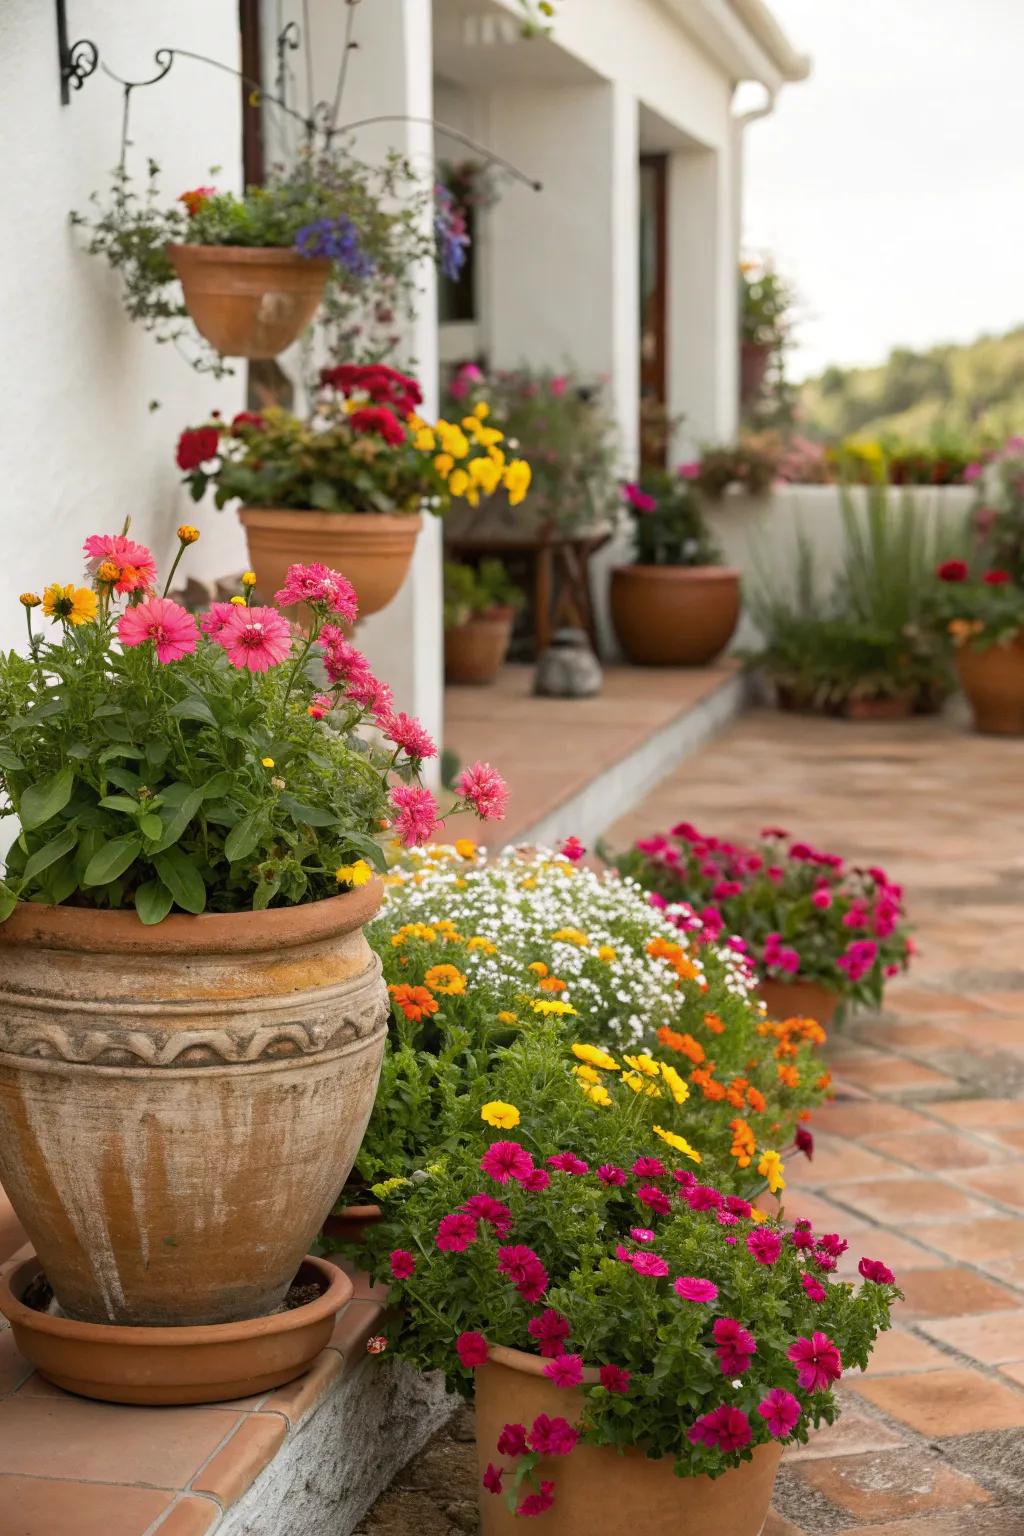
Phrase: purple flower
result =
(450, 233)
(338, 241)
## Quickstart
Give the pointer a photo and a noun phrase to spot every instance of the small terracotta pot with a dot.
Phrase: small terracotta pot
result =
(249, 301)
(674, 615)
(993, 680)
(898, 706)
(174, 1365)
(599, 1492)
(352, 1222)
(799, 1000)
(754, 359)
(373, 549)
(180, 1104)
(475, 652)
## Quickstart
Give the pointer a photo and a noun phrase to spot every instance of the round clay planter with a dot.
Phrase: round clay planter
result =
(754, 359)
(352, 1222)
(475, 652)
(249, 301)
(898, 706)
(674, 615)
(799, 1000)
(373, 549)
(993, 680)
(180, 1104)
(174, 1365)
(599, 1492)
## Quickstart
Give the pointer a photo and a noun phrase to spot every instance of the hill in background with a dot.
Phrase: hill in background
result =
(948, 394)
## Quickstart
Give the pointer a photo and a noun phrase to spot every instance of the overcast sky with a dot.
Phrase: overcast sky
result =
(889, 186)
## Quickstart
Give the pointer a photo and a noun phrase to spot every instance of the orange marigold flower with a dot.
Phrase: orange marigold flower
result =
(735, 1093)
(804, 1116)
(415, 1002)
(756, 1100)
(706, 1083)
(714, 1023)
(537, 967)
(685, 1044)
(744, 1144)
(789, 1077)
(824, 1081)
(551, 984)
(446, 979)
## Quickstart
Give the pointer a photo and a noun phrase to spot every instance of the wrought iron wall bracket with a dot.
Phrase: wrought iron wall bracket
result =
(78, 60)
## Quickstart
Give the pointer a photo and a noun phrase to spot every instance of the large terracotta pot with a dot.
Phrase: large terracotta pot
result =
(180, 1104)
(373, 549)
(674, 615)
(597, 1491)
(993, 680)
(799, 1000)
(475, 652)
(249, 301)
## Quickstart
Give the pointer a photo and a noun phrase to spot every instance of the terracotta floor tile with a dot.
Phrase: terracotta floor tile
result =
(826, 1216)
(778, 1525)
(980, 1114)
(919, 1001)
(884, 1485)
(869, 1119)
(1009, 1271)
(189, 1517)
(939, 1403)
(951, 1292)
(853, 1433)
(897, 1352)
(98, 1441)
(900, 1253)
(993, 1339)
(918, 1039)
(297, 1399)
(894, 1075)
(1012, 1140)
(982, 1237)
(237, 1464)
(980, 1522)
(1004, 1183)
(908, 1201)
(31, 1506)
(1015, 1372)
(935, 1150)
(14, 1368)
(838, 1162)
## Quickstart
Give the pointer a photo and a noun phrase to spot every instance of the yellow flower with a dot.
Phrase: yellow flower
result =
(507, 1018)
(453, 439)
(505, 1117)
(239, 602)
(758, 1216)
(30, 600)
(571, 936)
(413, 931)
(606, 953)
(587, 1074)
(248, 578)
(478, 942)
(481, 410)
(75, 605)
(354, 874)
(680, 1143)
(496, 456)
(771, 1168)
(425, 440)
(517, 481)
(446, 979)
(485, 474)
(458, 483)
(595, 1057)
(641, 1085)
(188, 534)
(551, 1005)
(537, 967)
(268, 762)
(108, 572)
(679, 1090)
(597, 1094)
(643, 1064)
(489, 437)
(465, 848)
(444, 464)
(388, 1187)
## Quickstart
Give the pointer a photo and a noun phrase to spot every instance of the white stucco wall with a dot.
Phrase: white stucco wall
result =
(80, 448)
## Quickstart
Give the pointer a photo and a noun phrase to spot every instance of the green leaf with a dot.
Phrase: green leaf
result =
(182, 879)
(323, 496)
(50, 852)
(153, 902)
(109, 754)
(80, 750)
(124, 778)
(10, 760)
(264, 894)
(151, 826)
(371, 851)
(217, 787)
(157, 753)
(8, 902)
(181, 814)
(112, 860)
(120, 803)
(193, 709)
(41, 802)
(243, 837)
(308, 815)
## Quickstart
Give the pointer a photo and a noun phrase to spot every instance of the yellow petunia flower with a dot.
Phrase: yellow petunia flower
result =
(680, 1143)
(356, 874)
(595, 1057)
(679, 1089)
(445, 979)
(74, 605)
(517, 481)
(504, 1117)
(452, 439)
(547, 1005)
(643, 1064)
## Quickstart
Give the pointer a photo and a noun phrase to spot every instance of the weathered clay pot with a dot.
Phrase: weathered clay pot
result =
(174, 1365)
(898, 706)
(373, 549)
(993, 680)
(597, 1491)
(249, 301)
(180, 1104)
(674, 615)
(799, 1000)
(350, 1223)
(475, 652)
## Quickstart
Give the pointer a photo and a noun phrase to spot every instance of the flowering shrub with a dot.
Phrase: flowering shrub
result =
(800, 914)
(980, 602)
(668, 525)
(364, 449)
(750, 464)
(156, 762)
(691, 1327)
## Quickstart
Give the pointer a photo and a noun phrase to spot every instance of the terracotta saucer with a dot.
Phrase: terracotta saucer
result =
(199, 1364)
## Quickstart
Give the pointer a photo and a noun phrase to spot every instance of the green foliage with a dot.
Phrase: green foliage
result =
(751, 464)
(766, 303)
(472, 590)
(673, 530)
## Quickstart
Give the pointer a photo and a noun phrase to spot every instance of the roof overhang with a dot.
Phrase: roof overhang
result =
(745, 39)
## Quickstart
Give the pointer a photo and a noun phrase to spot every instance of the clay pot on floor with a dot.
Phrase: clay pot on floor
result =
(799, 1000)
(373, 549)
(674, 615)
(249, 301)
(598, 1492)
(475, 652)
(350, 1223)
(993, 680)
(180, 1104)
(897, 706)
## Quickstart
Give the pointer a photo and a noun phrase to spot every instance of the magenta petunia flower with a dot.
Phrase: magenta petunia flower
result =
(536, 1181)
(552, 1437)
(321, 587)
(171, 628)
(655, 1199)
(403, 1265)
(813, 1288)
(566, 1371)
(874, 1269)
(764, 1245)
(415, 813)
(494, 1212)
(408, 734)
(651, 1265)
(491, 1479)
(485, 790)
(734, 1345)
(614, 1379)
(538, 1503)
(455, 1232)
(471, 1349)
(512, 1440)
(572, 849)
(549, 1331)
(609, 1174)
(641, 1234)
(649, 1168)
(689, 1288)
(568, 1162)
(701, 1197)
(506, 1160)
(526, 1272)
(780, 1411)
(255, 639)
(817, 1360)
(724, 1429)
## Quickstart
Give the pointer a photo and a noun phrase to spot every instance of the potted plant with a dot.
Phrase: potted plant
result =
(191, 1019)
(750, 465)
(480, 605)
(640, 1343)
(819, 933)
(347, 485)
(766, 301)
(676, 604)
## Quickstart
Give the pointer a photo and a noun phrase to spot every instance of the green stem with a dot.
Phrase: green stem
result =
(174, 566)
(310, 642)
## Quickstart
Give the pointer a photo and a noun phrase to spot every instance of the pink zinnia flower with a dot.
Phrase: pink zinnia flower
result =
(649, 1168)
(874, 1269)
(724, 1429)
(416, 815)
(407, 733)
(734, 1346)
(689, 1288)
(215, 617)
(506, 1160)
(494, 1212)
(651, 1265)
(342, 660)
(536, 1181)
(255, 638)
(171, 628)
(134, 561)
(491, 1479)
(471, 1349)
(765, 1246)
(813, 1287)
(568, 1162)
(821, 898)
(538, 1503)
(485, 790)
(609, 1174)
(641, 1234)
(737, 1206)
(402, 1264)
(455, 1232)
(572, 849)
(655, 1199)
(566, 1371)
(780, 1411)
(818, 1362)
(614, 1379)
(701, 1197)
(512, 1440)
(321, 587)
(549, 1331)
(552, 1437)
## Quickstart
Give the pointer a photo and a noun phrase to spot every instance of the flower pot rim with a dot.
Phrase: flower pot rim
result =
(316, 518)
(16, 1274)
(679, 572)
(533, 1365)
(275, 255)
(97, 931)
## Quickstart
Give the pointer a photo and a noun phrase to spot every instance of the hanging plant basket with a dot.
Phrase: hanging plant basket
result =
(249, 301)
(373, 549)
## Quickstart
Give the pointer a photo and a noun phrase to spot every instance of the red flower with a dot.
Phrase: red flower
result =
(538, 1503)
(550, 1330)
(996, 578)
(381, 421)
(247, 419)
(492, 1478)
(572, 849)
(649, 1168)
(609, 1174)
(402, 1264)
(566, 1371)
(552, 1437)
(874, 1269)
(506, 1160)
(654, 1198)
(512, 1441)
(455, 1233)
(614, 1379)
(195, 199)
(804, 1140)
(471, 1349)
(952, 570)
(494, 1212)
(196, 446)
(526, 1272)
(568, 1162)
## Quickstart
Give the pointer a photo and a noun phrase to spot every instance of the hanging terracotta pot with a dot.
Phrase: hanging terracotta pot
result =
(599, 1492)
(373, 549)
(754, 359)
(475, 652)
(180, 1104)
(674, 615)
(993, 680)
(799, 1000)
(249, 301)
